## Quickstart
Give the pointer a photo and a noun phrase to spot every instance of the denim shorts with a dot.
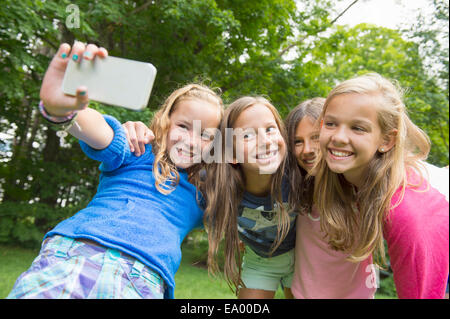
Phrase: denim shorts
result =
(267, 273)
(71, 268)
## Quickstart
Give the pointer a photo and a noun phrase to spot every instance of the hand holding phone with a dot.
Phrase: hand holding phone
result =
(55, 101)
(133, 93)
(111, 80)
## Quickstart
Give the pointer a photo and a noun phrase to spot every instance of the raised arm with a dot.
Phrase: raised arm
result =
(90, 126)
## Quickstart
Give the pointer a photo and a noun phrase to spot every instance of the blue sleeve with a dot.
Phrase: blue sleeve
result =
(115, 154)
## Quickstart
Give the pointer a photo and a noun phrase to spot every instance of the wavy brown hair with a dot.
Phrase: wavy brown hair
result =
(165, 172)
(358, 229)
(225, 185)
(301, 185)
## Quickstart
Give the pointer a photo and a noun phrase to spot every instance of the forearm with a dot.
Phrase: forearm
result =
(91, 128)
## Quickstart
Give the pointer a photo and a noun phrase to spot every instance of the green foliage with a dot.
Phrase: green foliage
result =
(286, 50)
(387, 287)
(26, 224)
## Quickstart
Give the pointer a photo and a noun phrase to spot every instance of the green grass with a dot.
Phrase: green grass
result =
(192, 282)
(13, 261)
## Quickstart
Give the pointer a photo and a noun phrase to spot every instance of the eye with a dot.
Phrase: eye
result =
(271, 129)
(206, 136)
(329, 124)
(183, 126)
(315, 137)
(359, 129)
(298, 142)
(248, 135)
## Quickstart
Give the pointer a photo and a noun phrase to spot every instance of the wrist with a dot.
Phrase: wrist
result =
(63, 123)
(53, 118)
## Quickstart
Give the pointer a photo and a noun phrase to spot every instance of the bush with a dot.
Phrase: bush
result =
(26, 224)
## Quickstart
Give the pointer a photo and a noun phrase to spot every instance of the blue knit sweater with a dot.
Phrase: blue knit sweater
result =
(128, 213)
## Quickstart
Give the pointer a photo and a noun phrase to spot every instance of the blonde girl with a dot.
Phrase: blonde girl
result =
(246, 198)
(126, 242)
(320, 272)
(371, 185)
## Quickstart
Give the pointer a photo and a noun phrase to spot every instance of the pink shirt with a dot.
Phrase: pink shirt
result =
(416, 232)
(323, 273)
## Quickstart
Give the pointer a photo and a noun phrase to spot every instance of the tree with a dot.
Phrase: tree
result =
(284, 49)
(229, 44)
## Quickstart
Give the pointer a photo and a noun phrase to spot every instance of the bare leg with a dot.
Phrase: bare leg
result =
(288, 293)
(246, 293)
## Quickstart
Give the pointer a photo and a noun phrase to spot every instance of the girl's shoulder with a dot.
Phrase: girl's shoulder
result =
(427, 180)
(424, 200)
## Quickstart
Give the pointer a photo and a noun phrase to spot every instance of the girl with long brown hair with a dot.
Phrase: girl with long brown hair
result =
(246, 195)
(372, 185)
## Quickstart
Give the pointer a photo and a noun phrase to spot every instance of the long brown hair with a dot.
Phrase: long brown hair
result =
(225, 187)
(301, 185)
(359, 230)
(165, 172)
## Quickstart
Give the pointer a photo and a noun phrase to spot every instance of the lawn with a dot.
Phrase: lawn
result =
(193, 282)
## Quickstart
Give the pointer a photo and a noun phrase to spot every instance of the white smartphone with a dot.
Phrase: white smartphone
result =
(111, 80)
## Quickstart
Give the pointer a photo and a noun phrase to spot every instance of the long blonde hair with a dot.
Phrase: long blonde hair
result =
(359, 230)
(224, 191)
(165, 172)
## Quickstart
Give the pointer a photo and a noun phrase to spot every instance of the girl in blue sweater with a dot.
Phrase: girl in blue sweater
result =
(126, 242)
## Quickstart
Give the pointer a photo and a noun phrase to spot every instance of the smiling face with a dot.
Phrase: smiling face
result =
(306, 143)
(259, 143)
(192, 124)
(350, 135)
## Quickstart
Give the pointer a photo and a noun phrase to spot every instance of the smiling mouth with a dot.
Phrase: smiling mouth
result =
(309, 161)
(267, 156)
(183, 153)
(340, 154)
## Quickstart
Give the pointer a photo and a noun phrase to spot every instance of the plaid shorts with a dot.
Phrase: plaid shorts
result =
(69, 268)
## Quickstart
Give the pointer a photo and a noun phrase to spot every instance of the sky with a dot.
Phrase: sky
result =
(384, 13)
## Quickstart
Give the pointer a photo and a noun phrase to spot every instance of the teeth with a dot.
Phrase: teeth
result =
(341, 153)
(264, 156)
(185, 153)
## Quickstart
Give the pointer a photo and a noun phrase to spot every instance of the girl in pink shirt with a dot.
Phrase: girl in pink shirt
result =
(371, 185)
(320, 272)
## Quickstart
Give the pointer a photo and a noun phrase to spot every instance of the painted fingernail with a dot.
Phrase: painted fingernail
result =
(75, 57)
(87, 54)
(82, 92)
(64, 55)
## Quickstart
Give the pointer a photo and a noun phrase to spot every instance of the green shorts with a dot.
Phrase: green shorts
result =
(267, 273)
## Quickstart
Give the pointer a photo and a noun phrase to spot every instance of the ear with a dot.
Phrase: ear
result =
(388, 141)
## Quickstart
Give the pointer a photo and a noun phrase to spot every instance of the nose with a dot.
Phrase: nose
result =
(264, 140)
(308, 147)
(195, 141)
(340, 136)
